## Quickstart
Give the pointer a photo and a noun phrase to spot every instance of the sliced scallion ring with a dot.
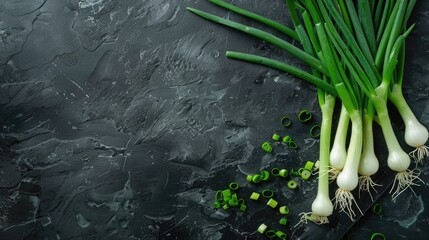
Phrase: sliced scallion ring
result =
(270, 233)
(305, 174)
(315, 131)
(304, 116)
(286, 122)
(272, 203)
(377, 208)
(275, 171)
(292, 184)
(243, 207)
(265, 175)
(276, 137)
(292, 145)
(281, 234)
(267, 193)
(309, 165)
(377, 236)
(287, 139)
(233, 186)
(283, 173)
(284, 210)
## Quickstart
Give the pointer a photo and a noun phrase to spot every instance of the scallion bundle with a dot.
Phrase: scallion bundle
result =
(356, 53)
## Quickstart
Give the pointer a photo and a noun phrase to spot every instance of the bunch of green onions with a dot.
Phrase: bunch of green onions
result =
(356, 53)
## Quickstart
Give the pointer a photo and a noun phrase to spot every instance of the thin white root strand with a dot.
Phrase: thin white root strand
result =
(404, 180)
(366, 184)
(303, 218)
(333, 173)
(419, 154)
(344, 200)
(309, 216)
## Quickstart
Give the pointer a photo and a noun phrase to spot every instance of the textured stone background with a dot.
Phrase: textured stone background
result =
(120, 120)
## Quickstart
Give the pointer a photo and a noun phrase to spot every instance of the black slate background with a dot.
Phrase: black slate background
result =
(121, 119)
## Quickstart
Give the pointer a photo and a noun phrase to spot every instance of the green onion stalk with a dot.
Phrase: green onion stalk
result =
(416, 134)
(361, 65)
(369, 163)
(348, 179)
(337, 158)
(322, 206)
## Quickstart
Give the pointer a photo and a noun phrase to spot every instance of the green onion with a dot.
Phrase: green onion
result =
(276, 137)
(255, 196)
(262, 228)
(315, 131)
(284, 210)
(267, 193)
(272, 203)
(304, 116)
(267, 147)
(292, 184)
(285, 121)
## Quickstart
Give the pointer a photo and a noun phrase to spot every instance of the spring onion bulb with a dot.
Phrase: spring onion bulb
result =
(348, 179)
(338, 154)
(416, 135)
(397, 160)
(369, 164)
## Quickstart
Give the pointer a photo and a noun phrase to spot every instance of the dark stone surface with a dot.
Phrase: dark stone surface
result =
(121, 119)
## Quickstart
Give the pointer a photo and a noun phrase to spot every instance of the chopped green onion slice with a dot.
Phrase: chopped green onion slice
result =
(315, 131)
(270, 233)
(256, 178)
(232, 203)
(292, 145)
(283, 173)
(286, 122)
(300, 170)
(272, 203)
(265, 175)
(284, 210)
(218, 195)
(377, 236)
(283, 221)
(281, 234)
(243, 207)
(275, 171)
(316, 165)
(377, 209)
(255, 196)
(240, 201)
(216, 204)
(292, 184)
(267, 147)
(233, 186)
(287, 139)
(249, 178)
(295, 173)
(309, 165)
(304, 116)
(276, 137)
(262, 228)
(225, 206)
(267, 193)
(305, 174)
(226, 193)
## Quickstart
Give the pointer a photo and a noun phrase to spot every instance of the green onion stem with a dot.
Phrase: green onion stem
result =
(276, 25)
(283, 67)
(305, 57)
